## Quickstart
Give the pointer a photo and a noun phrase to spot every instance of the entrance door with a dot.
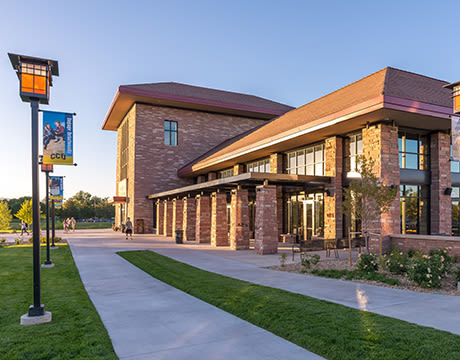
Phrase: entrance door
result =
(308, 219)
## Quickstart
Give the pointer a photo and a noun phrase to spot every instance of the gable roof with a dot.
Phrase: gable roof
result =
(190, 97)
(360, 97)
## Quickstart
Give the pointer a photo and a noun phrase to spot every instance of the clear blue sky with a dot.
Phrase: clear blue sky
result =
(288, 51)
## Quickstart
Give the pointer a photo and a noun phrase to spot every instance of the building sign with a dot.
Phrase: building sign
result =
(57, 138)
(455, 137)
(56, 188)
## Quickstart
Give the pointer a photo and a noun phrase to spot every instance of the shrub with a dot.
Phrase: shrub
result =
(309, 260)
(396, 262)
(426, 271)
(457, 274)
(282, 257)
(367, 263)
(330, 273)
(443, 257)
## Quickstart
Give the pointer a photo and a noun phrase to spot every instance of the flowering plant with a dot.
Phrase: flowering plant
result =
(396, 262)
(367, 263)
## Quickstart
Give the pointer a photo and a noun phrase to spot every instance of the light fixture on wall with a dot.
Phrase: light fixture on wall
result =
(448, 191)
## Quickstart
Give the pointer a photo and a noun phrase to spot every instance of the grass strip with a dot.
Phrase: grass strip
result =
(76, 330)
(330, 330)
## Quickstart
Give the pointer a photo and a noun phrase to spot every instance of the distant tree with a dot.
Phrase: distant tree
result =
(15, 204)
(84, 206)
(25, 212)
(5, 216)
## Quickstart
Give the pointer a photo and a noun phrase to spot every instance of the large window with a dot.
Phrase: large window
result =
(414, 209)
(305, 215)
(262, 166)
(455, 211)
(353, 148)
(454, 164)
(225, 173)
(124, 150)
(308, 161)
(413, 151)
(170, 132)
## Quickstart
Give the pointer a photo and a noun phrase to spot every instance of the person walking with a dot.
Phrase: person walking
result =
(129, 229)
(24, 227)
(73, 222)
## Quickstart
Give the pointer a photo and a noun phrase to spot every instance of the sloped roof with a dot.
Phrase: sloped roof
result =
(365, 93)
(190, 97)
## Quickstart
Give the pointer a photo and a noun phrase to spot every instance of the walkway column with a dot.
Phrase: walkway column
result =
(203, 219)
(239, 227)
(189, 218)
(333, 224)
(160, 217)
(266, 225)
(441, 204)
(178, 209)
(276, 167)
(168, 217)
(219, 226)
(380, 143)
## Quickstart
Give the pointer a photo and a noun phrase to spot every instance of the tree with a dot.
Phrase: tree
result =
(5, 216)
(367, 198)
(15, 204)
(25, 212)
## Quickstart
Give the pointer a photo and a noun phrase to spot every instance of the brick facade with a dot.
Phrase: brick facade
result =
(239, 227)
(441, 206)
(198, 132)
(425, 243)
(160, 217)
(178, 209)
(266, 228)
(203, 219)
(189, 218)
(219, 225)
(168, 217)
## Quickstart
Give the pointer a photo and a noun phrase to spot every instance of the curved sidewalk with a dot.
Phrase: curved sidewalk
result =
(148, 319)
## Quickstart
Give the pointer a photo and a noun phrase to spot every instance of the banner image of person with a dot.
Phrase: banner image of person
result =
(456, 137)
(57, 138)
(56, 188)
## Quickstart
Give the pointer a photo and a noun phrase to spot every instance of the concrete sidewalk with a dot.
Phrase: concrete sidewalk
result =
(148, 319)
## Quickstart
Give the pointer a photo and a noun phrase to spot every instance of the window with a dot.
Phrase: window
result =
(454, 164)
(414, 209)
(455, 211)
(124, 147)
(413, 151)
(225, 173)
(353, 148)
(170, 132)
(307, 161)
(262, 166)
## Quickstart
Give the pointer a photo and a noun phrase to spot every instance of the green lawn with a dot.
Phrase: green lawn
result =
(330, 330)
(76, 331)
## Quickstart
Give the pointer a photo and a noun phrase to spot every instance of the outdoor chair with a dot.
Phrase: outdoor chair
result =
(300, 247)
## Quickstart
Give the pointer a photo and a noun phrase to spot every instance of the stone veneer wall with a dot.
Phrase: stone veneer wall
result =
(441, 206)
(219, 225)
(425, 243)
(203, 219)
(266, 226)
(239, 229)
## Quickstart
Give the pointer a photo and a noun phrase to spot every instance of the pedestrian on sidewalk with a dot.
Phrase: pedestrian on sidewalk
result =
(24, 227)
(73, 222)
(129, 229)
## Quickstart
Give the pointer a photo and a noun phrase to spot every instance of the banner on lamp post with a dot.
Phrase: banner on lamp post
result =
(455, 137)
(56, 188)
(57, 138)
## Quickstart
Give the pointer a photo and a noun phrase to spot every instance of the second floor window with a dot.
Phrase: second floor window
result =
(353, 148)
(308, 161)
(259, 166)
(413, 151)
(170, 130)
(225, 173)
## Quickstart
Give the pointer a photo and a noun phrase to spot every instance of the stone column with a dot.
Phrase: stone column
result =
(276, 163)
(178, 209)
(380, 143)
(441, 204)
(219, 226)
(160, 217)
(238, 169)
(212, 176)
(168, 217)
(203, 219)
(266, 234)
(239, 227)
(276, 167)
(333, 225)
(189, 218)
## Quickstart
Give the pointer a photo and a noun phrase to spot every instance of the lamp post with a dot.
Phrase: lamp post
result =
(35, 79)
(47, 168)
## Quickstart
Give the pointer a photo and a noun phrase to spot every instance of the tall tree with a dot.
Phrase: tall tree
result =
(25, 212)
(5, 216)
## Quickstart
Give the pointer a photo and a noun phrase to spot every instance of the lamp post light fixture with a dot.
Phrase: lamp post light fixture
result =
(47, 168)
(35, 79)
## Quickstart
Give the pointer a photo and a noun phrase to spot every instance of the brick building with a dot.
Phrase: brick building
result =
(227, 167)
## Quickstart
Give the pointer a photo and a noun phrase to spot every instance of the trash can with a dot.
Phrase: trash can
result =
(139, 226)
(179, 236)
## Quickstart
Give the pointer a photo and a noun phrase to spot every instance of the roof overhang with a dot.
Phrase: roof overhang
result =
(118, 200)
(246, 179)
(126, 97)
(405, 113)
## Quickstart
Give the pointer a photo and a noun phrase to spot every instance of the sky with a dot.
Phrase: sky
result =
(288, 51)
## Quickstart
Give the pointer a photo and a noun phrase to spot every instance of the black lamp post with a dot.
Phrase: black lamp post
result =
(35, 79)
(47, 168)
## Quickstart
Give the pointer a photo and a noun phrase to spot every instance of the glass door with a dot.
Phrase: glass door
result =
(309, 227)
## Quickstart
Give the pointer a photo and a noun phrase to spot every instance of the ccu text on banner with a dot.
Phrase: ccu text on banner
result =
(57, 138)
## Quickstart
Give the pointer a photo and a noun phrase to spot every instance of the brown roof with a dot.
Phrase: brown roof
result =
(366, 94)
(190, 97)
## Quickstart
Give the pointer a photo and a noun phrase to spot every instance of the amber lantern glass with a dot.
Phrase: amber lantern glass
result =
(34, 80)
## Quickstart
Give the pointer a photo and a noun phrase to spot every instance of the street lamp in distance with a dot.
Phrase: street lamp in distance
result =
(35, 78)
